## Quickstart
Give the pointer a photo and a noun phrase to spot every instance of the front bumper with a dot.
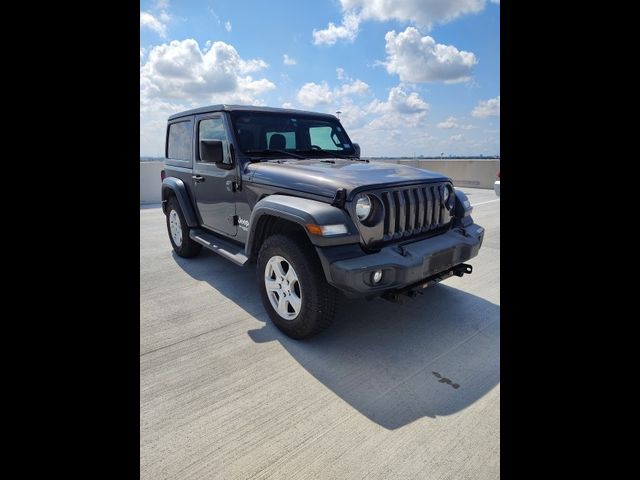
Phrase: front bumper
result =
(401, 265)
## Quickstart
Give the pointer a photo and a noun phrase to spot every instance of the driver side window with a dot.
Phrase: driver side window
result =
(213, 129)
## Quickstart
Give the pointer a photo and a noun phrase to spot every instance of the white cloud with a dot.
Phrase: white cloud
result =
(402, 102)
(395, 126)
(423, 12)
(448, 123)
(246, 66)
(180, 70)
(288, 60)
(487, 108)
(340, 73)
(227, 26)
(401, 108)
(152, 23)
(179, 75)
(347, 31)
(357, 87)
(312, 94)
(420, 59)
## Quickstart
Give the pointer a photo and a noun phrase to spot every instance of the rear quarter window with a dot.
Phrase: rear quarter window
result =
(179, 141)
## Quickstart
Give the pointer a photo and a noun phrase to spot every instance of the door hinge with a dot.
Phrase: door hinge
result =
(231, 185)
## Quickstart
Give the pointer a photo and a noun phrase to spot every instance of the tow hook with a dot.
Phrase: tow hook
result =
(414, 290)
(460, 270)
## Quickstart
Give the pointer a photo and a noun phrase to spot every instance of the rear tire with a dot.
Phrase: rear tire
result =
(293, 288)
(179, 231)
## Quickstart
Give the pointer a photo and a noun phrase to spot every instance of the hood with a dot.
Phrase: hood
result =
(324, 178)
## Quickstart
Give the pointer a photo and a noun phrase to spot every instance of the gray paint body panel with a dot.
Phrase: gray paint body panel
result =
(302, 211)
(324, 178)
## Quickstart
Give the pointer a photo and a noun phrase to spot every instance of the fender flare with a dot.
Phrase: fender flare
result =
(177, 187)
(301, 211)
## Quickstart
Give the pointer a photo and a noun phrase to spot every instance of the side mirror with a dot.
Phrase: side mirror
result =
(356, 147)
(211, 151)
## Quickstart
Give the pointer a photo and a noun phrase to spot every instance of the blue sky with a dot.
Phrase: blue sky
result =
(411, 77)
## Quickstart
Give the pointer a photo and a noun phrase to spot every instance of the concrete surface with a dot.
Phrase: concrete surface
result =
(150, 182)
(464, 173)
(223, 394)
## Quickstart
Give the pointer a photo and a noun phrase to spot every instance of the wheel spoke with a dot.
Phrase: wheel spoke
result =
(282, 306)
(291, 276)
(277, 267)
(295, 302)
(271, 285)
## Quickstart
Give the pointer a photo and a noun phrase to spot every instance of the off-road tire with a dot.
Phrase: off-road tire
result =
(318, 298)
(187, 248)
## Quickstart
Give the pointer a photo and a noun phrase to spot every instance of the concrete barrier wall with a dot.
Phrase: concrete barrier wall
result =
(150, 182)
(464, 173)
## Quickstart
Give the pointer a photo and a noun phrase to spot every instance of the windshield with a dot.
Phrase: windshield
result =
(259, 132)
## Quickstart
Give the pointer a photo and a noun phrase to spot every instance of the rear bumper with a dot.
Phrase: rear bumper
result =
(401, 265)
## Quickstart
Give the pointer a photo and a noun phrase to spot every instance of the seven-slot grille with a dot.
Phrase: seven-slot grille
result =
(413, 210)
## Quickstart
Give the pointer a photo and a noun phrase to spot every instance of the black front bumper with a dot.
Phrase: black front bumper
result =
(401, 265)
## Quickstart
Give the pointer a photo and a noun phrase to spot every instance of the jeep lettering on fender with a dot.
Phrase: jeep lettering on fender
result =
(244, 224)
(287, 190)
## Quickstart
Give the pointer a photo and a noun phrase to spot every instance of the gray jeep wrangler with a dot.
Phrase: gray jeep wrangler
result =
(287, 189)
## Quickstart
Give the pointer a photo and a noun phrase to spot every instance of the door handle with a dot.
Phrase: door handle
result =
(198, 178)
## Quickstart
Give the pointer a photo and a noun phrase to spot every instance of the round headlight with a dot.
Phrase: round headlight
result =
(363, 207)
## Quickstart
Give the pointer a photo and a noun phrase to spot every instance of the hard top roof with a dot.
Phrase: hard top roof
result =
(247, 108)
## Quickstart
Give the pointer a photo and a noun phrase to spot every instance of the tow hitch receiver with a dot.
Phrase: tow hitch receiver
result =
(412, 291)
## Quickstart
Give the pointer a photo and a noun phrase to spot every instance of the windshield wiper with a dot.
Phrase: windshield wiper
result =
(327, 152)
(271, 150)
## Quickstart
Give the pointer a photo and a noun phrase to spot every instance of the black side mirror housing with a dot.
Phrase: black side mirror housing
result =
(356, 147)
(211, 151)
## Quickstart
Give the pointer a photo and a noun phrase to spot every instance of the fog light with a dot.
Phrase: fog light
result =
(376, 276)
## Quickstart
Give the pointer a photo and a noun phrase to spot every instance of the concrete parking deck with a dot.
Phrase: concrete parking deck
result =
(388, 392)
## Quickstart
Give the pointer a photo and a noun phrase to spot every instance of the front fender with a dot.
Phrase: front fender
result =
(177, 187)
(302, 211)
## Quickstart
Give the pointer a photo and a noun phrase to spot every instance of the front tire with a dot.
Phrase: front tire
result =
(179, 231)
(292, 286)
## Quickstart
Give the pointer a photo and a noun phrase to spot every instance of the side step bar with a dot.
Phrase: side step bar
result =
(222, 247)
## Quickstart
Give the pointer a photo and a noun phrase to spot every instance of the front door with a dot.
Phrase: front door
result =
(213, 183)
